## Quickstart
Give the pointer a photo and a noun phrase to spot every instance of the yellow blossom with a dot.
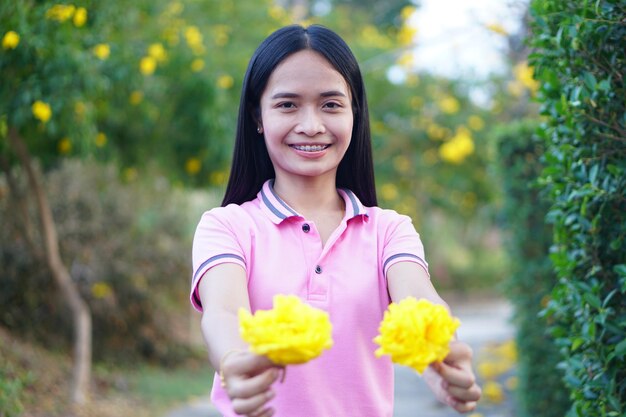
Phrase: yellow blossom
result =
(389, 191)
(525, 75)
(64, 146)
(60, 12)
(135, 98)
(218, 177)
(102, 51)
(416, 333)
(80, 17)
(493, 392)
(402, 163)
(406, 35)
(101, 140)
(277, 12)
(407, 12)
(101, 290)
(220, 34)
(225, 82)
(41, 111)
(476, 123)
(147, 65)
(130, 174)
(497, 28)
(193, 166)
(458, 148)
(193, 37)
(449, 105)
(157, 51)
(290, 333)
(10, 40)
(80, 108)
(197, 65)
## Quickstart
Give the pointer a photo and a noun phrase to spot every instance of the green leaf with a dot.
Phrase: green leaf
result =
(620, 348)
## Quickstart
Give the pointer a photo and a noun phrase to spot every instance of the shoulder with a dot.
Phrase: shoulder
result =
(233, 216)
(386, 218)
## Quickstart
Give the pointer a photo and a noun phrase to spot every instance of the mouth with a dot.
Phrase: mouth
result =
(309, 148)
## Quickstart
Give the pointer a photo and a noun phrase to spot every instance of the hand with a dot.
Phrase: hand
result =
(453, 380)
(247, 379)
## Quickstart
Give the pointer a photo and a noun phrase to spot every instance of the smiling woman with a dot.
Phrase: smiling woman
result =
(299, 218)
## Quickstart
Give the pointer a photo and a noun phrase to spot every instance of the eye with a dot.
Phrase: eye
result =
(333, 105)
(286, 105)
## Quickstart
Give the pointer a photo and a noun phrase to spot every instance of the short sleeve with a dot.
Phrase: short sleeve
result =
(402, 243)
(215, 242)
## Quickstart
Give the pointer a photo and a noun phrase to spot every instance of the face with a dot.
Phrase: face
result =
(306, 116)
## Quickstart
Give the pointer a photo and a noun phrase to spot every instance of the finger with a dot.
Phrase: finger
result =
(246, 387)
(248, 406)
(245, 363)
(453, 376)
(464, 394)
(266, 412)
(464, 407)
(459, 352)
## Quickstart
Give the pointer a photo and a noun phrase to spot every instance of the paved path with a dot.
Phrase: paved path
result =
(483, 322)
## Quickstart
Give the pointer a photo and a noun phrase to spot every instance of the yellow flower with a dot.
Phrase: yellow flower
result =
(10, 40)
(493, 392)
(406, 35)
(80, 17)
(290, 333)
(193, 166)
(449, 105)
(497, 28)
(64, 146)
(60, 12)
(225, 82)
(218, 177)
(101, 140)
(416, 333)
(101, 290)
(389, 191)
(157, 51)
(197, 65)
(147, 65)
(525, 75)
(458, 148)
(102, 51)
(136, 97)
(193, 37)
(41, 111)
(476, 123)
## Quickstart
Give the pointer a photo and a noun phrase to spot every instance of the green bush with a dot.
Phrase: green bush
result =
(532, 278)
(580, 62)
(127, 248)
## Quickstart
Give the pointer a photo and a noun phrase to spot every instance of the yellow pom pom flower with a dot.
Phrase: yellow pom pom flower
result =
(290, 333)
(416, 333)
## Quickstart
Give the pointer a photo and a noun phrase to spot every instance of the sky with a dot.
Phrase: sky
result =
(453, 38)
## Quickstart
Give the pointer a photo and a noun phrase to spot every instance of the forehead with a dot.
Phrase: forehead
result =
(306, 71)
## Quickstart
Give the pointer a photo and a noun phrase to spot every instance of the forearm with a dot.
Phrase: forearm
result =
(220, 330)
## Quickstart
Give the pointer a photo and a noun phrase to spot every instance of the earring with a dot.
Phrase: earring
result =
(259, 130)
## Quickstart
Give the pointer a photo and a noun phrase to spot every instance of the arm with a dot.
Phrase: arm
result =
(453, 380)
(247, 377)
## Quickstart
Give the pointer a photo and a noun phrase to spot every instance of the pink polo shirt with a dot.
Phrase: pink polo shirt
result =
(282, 253)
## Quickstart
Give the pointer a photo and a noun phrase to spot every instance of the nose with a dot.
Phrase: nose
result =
(310, 123)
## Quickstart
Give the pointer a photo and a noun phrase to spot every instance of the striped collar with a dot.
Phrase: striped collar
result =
(277, 210)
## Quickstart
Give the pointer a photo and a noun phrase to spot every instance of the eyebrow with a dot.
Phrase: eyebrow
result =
(332, 93)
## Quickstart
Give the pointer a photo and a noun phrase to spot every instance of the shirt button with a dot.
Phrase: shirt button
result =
(306, 228)
(318, 269)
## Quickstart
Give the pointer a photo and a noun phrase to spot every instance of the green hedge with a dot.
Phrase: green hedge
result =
(532, 278)
(579, 58)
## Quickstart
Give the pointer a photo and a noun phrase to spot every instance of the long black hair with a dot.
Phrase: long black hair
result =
(251, 165)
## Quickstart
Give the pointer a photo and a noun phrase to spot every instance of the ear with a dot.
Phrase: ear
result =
(256, 116)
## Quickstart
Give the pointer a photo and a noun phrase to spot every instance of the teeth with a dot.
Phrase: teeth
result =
(310, 148)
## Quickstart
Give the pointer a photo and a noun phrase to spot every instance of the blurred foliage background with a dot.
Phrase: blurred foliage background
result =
(129, 111)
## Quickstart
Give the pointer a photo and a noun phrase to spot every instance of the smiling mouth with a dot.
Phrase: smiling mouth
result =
(309, 148)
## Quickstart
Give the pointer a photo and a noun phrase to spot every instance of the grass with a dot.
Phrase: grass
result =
(39, 384)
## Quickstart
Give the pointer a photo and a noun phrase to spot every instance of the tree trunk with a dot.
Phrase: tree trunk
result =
(81, 316)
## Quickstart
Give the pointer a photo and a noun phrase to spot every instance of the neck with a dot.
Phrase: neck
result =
(309, 195)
